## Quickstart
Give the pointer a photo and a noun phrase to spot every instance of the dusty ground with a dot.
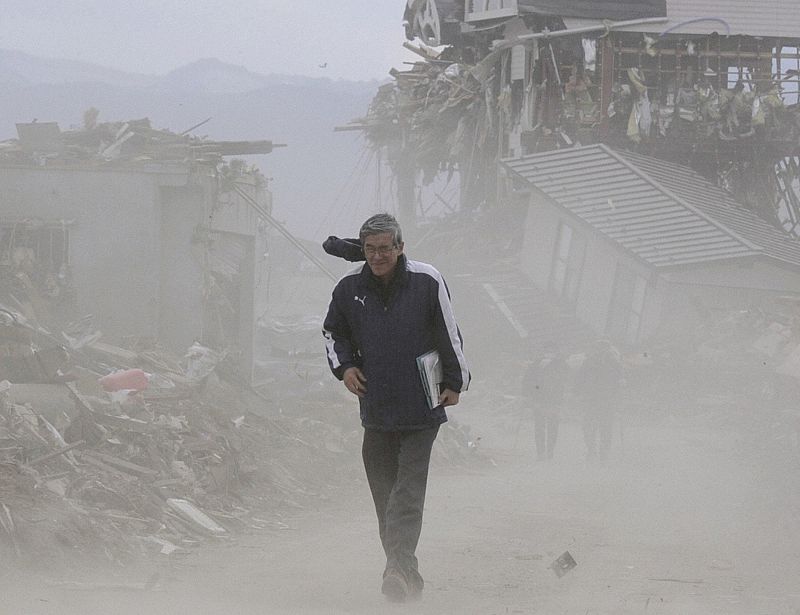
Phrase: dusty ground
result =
(687, 518)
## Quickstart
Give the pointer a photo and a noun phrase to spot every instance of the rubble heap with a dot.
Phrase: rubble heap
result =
(437, 117)
(105, 143)
(119, 453)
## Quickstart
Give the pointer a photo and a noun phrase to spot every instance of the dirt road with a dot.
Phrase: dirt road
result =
(683, 520)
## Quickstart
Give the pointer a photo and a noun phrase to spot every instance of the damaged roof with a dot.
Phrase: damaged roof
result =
(439, 21)
(597, 9)
(770, 18)
(127, 142)
(665, 214)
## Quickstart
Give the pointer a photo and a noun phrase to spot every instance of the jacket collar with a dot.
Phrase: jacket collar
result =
(399, 278)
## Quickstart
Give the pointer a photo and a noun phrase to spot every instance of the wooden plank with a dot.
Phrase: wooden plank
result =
(108, 420)
(122, 464)
(44, 458)
(107, 468)
(122, 355)
(191, 513)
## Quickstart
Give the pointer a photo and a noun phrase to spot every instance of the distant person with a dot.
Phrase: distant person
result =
(382, 316)
(598, 385)
(545, 385)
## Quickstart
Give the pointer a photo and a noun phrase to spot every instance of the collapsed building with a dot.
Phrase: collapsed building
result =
(708, 89)
(122, 247)
(146, 232)
(153, 389)
(625, 168)
(713, 86)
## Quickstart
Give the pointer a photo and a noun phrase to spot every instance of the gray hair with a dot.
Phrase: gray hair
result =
(379, 224)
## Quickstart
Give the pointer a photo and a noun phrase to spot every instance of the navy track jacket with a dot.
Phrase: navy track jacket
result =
(382, 330)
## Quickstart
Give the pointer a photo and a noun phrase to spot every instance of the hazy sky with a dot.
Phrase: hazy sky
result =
(358, 39)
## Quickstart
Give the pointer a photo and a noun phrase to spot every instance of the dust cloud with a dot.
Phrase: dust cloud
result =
(664, 463)
(692, 510)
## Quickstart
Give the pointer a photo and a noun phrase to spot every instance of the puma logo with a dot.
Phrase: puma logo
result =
(361, 299)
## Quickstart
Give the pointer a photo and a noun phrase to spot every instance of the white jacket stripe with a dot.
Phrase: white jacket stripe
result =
(449, 316)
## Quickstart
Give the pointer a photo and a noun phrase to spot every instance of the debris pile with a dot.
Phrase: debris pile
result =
(131, 142)
(502, 81)
(120, 453)
(439, 116)
(123, 471)
(439, 106)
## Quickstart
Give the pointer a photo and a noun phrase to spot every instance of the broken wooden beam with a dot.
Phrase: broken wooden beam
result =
(121, 464)
(235, 148)
(44, 458)
(190, 512)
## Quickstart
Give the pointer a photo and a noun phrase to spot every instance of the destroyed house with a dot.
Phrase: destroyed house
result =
(637, 247)
(149, 234)
(711, 85)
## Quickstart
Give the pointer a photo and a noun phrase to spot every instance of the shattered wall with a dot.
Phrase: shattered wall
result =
(114, 246)
(587, 283)
(140, 249)
(541, 231)
(672, 297)
(180, 265)
(213, 260)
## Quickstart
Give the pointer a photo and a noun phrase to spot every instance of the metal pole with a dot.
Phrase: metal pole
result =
(283, 231)
(606, 25)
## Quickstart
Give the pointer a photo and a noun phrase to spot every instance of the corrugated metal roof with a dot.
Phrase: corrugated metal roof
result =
(720, 205)
(663, 213)
(772, 18)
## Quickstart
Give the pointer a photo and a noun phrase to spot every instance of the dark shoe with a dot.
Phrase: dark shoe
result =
(395, 586)
(415, 585)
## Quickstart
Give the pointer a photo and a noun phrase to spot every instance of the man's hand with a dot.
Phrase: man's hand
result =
(355, 381)
(448, 398)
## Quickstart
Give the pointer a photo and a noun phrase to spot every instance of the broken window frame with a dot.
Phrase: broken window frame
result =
(669, 61)
(569, 253)
(627, 305)
(634, 328)
(49, 241)
(479, 10)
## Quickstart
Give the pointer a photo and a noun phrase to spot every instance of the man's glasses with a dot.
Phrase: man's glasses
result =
(379, 250)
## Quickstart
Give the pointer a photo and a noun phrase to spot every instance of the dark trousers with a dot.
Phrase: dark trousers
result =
(545, 430)
(598, 429)
(397, 463)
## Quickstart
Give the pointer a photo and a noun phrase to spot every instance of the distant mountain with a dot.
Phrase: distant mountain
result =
(213, 76)
(18, 68)
(299, 111)
(208, 75)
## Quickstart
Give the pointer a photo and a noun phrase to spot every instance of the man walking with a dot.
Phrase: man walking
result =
(382, 316)
(600, 378)
(545, 385)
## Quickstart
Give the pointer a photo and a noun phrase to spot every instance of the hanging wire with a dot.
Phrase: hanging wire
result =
(345, 190)
(698, 20)
(378, 163)
(335, 203)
